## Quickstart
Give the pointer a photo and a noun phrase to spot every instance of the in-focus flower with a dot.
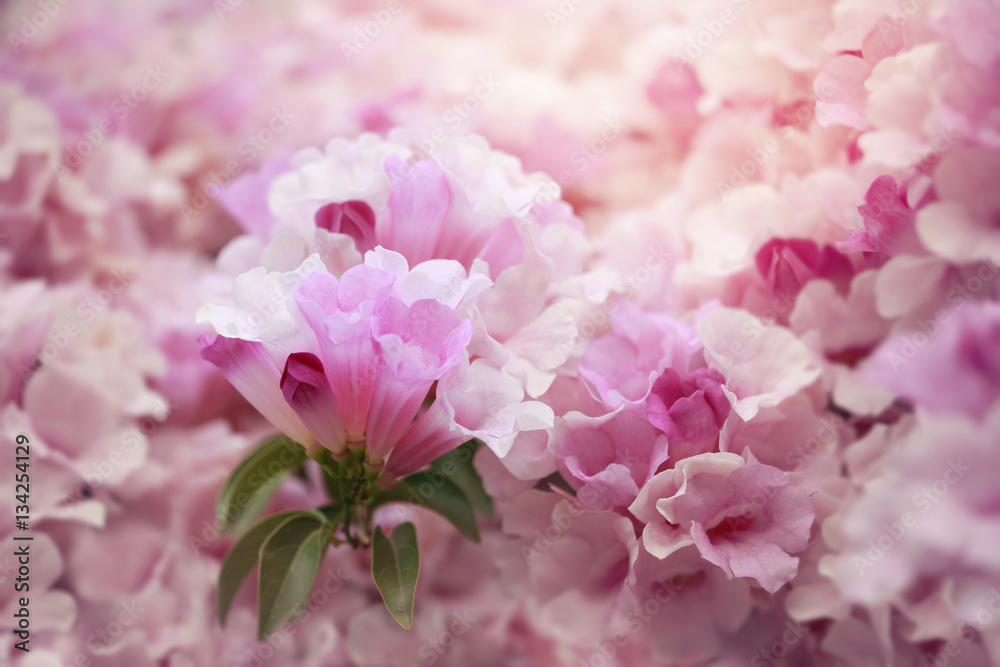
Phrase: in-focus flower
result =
(744, 517)
(348, 363)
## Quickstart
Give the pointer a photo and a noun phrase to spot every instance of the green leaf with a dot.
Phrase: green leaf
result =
(395, 568)
(242, 559)
(333, 512)
(289, 561)
(255, 505)
(457, 466)
(249, 487)
(435, 492)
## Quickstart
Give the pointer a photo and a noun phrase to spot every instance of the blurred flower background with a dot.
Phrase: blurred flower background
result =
(715, 284)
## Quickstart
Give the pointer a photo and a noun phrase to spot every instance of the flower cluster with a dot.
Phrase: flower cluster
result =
(687, 312)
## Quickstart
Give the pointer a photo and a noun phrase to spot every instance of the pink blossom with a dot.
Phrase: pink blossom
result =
(924, 518)
(619, 367)
(350, 362)
(690, 409)
(608, 459)
(762, 365)
(465, 203)
(747, 315)
(746, 518)
(456, 205)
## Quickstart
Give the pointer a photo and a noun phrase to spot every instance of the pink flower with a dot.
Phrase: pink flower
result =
(463, 202)
(459, 203)
(378, 358)
(763, 365)
(619, 367)
(608, 459)
(349, 362)
(690, 409)
(927, 516)
(744, 517)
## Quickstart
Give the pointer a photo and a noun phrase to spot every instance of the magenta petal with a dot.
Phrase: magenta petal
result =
(354, 218)
(690, 409)
(889, 220)
(788, 264)
(307, 391)
(694, 417)
(249, 368)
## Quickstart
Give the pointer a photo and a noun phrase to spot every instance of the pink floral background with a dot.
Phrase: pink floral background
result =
(714, 282)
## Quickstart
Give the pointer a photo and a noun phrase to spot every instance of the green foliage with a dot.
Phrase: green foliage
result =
(435, 492)
(395, 568)
(288, 548)
(245, 494)
(289, 561)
